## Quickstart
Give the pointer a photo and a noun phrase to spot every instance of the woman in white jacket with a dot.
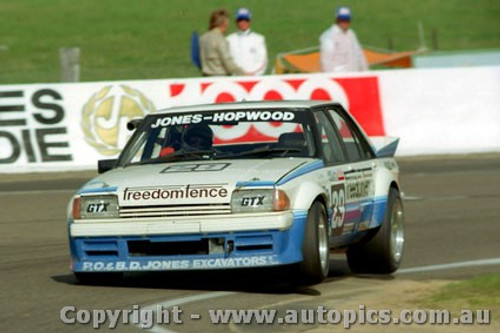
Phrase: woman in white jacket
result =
(340, 50)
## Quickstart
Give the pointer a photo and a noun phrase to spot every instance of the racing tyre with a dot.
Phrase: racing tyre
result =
(382, 251)
(315, 248)
(98, 278)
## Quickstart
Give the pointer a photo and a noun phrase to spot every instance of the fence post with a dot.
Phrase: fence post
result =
(435, 45)
(70, 64)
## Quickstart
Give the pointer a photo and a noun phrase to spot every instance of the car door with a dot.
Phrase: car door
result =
(359, 176)
(335, 158)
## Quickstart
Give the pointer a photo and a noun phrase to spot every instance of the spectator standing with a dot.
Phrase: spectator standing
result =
(248, 48)
(214, 50)
(340, 50)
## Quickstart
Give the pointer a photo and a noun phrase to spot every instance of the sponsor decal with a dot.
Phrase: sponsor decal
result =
(178, 120)
(195, 167)
(157, 265)
(253, 201)
(226, 116)
(336, 175)
(338, 205)
(32, 127)
(253, 116)
(105, 114)
(176, 192)
(98, 207)
(357, 187)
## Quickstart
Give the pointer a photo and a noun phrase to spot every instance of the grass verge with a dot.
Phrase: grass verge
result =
(133, 39)
(481, 292)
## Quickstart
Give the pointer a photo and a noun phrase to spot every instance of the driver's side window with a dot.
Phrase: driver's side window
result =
(330, 142)
(352, 143)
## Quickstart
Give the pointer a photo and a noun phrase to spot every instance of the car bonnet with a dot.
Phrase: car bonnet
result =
(190, 182)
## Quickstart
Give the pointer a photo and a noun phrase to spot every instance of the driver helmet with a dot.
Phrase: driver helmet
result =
(197, 137)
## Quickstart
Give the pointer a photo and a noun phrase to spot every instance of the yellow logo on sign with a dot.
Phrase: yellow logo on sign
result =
(105, 115)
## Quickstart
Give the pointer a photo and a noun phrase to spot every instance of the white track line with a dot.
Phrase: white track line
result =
(430, 268)
(411, 198)
(177, 302)
(421, 269)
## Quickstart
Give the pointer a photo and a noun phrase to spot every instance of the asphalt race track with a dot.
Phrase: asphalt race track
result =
(452, 216)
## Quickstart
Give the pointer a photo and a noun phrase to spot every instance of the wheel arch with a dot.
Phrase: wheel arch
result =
(308, 193)
(394, 185)
(380, 207)
(322, 199)
(385, 180)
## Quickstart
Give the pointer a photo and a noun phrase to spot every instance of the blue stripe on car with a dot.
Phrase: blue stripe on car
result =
(378, 214)
(316, 165)
(98, 190)
(254, 184)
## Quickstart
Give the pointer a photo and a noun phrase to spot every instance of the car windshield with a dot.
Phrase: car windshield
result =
(229, 134)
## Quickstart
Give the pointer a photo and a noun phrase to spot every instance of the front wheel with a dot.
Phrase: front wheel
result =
(316, 248)
(383, 251)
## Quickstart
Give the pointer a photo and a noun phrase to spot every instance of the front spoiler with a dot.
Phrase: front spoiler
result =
(282, 247)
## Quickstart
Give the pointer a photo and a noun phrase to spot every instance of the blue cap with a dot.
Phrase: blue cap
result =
(243, 14)
(343, 13)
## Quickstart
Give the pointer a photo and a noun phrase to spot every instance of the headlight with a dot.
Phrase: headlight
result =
(95, 207)
(245, 201)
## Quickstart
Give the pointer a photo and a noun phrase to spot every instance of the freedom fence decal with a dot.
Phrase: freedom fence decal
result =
(178, 192)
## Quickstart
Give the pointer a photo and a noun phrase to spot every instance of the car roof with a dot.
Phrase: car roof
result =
(297, 104)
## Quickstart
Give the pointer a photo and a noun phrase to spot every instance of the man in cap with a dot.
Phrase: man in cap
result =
(340, 50)
(247, 48)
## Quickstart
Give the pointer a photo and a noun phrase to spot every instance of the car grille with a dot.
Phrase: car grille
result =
(172, 211)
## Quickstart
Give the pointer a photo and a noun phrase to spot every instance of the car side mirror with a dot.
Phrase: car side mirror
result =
(106, 165)
(134, 124)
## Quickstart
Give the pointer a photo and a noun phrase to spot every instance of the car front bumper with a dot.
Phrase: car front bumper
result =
(181, 225)
(237, 242)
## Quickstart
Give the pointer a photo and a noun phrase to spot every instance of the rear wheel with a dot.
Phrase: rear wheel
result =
(382, 252)
(316, 247)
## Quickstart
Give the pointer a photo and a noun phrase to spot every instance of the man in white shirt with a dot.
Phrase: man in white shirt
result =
(340, 50)
(247, 48)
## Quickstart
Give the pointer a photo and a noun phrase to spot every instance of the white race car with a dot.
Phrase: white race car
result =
(248, 184)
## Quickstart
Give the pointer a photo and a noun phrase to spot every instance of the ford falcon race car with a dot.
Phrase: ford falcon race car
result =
(249, 184)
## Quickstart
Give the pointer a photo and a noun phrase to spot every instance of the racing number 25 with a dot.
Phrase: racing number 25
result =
(338, 205)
